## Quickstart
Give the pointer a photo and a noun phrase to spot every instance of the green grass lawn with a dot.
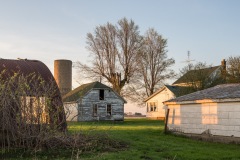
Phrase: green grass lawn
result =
(145, 140)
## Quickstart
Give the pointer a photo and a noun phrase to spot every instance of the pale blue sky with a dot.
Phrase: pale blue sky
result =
(56, 29)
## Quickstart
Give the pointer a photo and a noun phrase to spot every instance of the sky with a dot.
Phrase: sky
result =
(47, 30)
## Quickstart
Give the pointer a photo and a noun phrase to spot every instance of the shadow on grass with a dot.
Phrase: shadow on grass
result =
(141, 139)
(68, 147)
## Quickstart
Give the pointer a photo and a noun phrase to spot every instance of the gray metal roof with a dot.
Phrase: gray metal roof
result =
(224, 91)
(194, 74)
(175, 89)
(80, 91)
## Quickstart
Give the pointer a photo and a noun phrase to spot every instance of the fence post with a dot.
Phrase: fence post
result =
(166, 122)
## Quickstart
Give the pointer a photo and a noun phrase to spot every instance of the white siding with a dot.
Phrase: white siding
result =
(215, 118)
(164, 95)
(71, 111)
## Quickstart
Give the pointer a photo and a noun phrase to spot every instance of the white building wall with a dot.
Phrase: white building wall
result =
(221, 119)
(164, 95)
(71, 111)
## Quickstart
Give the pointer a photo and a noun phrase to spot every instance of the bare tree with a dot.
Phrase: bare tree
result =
(154, 66)
(121, 55)
(114, 50)
(233, 69)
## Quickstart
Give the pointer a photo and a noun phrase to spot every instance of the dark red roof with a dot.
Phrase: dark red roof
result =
(25, 67)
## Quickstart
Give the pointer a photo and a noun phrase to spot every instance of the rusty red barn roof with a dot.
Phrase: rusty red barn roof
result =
(25, 67)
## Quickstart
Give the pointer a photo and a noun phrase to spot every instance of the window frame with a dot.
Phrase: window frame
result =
(101, 94)
(152, 106)
(95, 110)
(107, 110)
(34, 109)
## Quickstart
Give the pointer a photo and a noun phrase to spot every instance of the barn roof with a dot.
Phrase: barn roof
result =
(25, 67)
(219, 92)
(80, 91)
(185, 78)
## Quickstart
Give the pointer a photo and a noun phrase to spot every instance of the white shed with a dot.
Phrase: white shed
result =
(215, 111)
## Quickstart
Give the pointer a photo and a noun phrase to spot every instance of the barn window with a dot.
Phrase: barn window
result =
(152, 107)
(101, 94)
(34, 109)
(109, 110)
(95, 109)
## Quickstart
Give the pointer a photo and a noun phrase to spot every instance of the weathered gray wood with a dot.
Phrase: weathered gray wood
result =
(85, 106)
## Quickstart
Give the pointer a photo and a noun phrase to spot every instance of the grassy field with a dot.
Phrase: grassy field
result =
(146, 141)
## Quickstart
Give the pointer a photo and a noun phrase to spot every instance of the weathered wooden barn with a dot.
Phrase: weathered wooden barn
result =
(214, 111)
(93, 101)
(29, 95)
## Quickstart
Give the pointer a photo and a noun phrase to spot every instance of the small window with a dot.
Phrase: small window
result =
(101, 94)
(95, 110)
(109, 110)
(152, 107)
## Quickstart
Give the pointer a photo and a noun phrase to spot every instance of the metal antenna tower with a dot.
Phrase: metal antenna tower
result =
(188, 60)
